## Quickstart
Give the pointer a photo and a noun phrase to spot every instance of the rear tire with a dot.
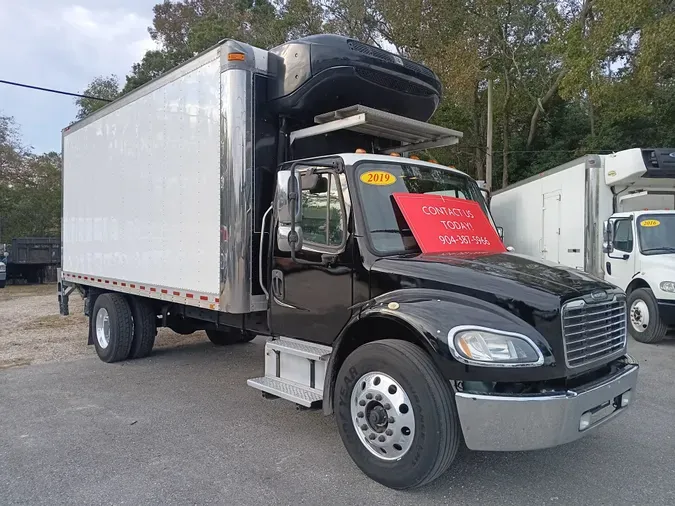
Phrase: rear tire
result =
(112, 327)
(644, 320)
(145, 328)
(227, 337)
(434, 429)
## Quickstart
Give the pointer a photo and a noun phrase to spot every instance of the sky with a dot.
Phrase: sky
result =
(64, 44)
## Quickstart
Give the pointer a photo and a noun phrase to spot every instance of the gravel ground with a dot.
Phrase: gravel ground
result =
(33, 332)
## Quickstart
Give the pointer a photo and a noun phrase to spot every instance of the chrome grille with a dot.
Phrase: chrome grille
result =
(593, 331)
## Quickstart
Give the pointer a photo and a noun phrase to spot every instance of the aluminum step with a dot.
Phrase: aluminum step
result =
(288, 390)
(299, 348)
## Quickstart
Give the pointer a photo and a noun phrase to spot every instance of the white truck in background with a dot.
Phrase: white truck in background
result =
(610, 216)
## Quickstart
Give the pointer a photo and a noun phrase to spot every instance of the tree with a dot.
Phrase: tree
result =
(154, 64)
(569, 75)
(30, 187)
(102, 87)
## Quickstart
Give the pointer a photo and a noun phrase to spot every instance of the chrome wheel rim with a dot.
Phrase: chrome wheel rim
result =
(383, 416)
(103, 328)
(639, 315)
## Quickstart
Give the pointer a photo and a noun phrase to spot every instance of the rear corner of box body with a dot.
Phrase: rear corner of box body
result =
(141, 184)
(237, 174)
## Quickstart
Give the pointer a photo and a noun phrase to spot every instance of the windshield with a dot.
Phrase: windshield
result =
(376, 186)
(656, 233)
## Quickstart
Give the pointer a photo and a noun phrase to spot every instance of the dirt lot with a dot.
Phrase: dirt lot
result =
(33, 332)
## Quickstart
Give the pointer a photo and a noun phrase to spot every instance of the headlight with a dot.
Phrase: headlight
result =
(493, 348)
(2, 267)
(668, 286)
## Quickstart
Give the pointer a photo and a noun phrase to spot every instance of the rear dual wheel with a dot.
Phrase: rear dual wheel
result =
(122, 328)
(396, 414)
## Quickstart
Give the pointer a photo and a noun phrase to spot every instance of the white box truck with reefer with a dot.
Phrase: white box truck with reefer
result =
(611, 216)
(249, 192)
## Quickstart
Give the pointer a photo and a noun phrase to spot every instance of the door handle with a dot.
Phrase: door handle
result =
(278, 284)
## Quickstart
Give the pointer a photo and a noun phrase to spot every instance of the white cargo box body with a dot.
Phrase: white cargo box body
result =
(157, 187)
(557, 215)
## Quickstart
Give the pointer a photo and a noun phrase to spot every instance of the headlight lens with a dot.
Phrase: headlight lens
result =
(2, 267)
(489, 347)
(668, 286)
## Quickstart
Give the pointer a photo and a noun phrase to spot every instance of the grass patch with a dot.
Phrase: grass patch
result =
(56, 322)
(18, 291)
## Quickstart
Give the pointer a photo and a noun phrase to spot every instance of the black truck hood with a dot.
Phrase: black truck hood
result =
(509, 291)
(504, 276)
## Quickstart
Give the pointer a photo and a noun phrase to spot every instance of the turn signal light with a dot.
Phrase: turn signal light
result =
(236, 57)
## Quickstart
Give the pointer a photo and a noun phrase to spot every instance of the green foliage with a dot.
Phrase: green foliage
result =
(570, 76)
(105, 87)
(30, 188)
(154, 64)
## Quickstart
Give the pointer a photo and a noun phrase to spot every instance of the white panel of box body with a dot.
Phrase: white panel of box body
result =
(520, 210)
(142, 186)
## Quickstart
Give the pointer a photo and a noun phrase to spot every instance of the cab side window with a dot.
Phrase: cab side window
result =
(323, 220)
(623, 235)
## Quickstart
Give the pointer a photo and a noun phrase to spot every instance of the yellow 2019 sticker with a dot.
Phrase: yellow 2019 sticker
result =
(650, 223)
(378, 177)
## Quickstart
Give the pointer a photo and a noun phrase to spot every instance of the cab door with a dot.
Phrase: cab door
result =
(620, 263)
(311, 295)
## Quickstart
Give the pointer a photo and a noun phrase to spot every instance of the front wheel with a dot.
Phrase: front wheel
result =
(396, 414)
(643, 316)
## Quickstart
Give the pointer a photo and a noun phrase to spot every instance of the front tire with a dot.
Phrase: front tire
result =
(396, 414)
(644, 320)
(112, 327)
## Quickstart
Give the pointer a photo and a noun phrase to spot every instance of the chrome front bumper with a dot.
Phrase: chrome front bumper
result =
(514, 423)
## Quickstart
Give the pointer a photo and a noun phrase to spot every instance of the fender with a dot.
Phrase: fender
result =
(429, 315)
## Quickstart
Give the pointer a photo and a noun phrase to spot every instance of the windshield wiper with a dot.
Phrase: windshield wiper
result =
(390, 230)
(669, 249)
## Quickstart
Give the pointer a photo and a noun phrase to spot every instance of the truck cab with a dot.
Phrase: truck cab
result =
(640, 258)
(289, 172)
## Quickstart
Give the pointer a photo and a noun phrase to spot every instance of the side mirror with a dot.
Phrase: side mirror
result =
(281, 202)
(283, 235)
(289, 214)
(500, 233)
(607, 237)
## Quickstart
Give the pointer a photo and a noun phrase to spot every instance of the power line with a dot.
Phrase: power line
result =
(39, 88)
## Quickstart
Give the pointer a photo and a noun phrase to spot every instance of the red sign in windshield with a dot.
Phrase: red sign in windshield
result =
(446, 224)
